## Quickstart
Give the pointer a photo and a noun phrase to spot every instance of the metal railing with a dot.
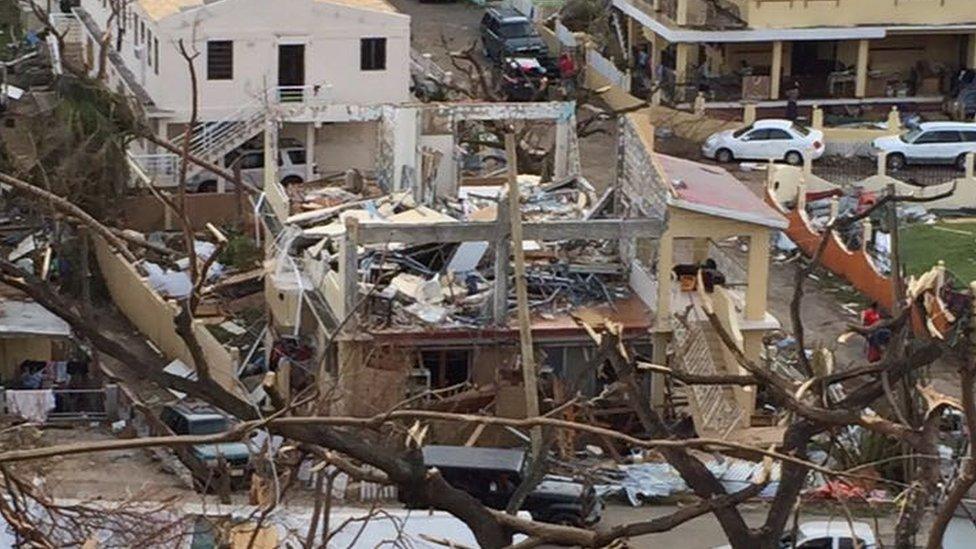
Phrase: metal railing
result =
(79, 404)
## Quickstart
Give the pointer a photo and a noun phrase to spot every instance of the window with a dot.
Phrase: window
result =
(149, 40)
(741, 131)
(252, 161)
(156, 54)
(220, 60)
(142, 30)
(757, 135)
(800, 129)
(297, 157)
(372, 54)
(935, 138)
(818, 543)
(969, 136)
(516, 29)
(848, 543)
(779, 134)
(447, 366)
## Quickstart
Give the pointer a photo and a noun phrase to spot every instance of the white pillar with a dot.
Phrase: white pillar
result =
(561, 160)
(776, 70)
(861, 82)
(270, 153)
(309, 151)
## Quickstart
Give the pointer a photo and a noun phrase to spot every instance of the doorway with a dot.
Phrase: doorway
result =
(291, 72)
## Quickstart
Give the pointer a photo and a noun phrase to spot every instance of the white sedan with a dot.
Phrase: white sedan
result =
(766, 140)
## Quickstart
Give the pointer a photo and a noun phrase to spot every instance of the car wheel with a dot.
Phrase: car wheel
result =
(207, 187)
(896, 161)
(794, 158)
(291, 180)
(961, 162)
(724, 156)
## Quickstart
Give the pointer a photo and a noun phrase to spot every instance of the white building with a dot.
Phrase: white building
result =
(251, 56)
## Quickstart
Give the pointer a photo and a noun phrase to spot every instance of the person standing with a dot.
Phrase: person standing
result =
(870, 317)
(792, 106)
(567, 73)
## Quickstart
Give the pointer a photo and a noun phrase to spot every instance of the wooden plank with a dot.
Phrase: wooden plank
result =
(503, 250)
(521, 292)
(474, 231)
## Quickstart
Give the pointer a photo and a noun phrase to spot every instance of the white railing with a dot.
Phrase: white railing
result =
(160, 170)
(606, 68)
(302, 94)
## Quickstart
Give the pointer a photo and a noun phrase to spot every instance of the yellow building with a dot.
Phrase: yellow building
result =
(838, 51)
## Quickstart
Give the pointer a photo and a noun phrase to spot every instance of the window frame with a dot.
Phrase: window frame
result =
(216, 72)
(369, 48)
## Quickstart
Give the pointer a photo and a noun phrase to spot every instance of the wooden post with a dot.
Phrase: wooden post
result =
(525, 328)
(503, 251)
(349, 271)
(861, 77)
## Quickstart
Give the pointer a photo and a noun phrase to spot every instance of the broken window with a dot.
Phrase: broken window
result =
(220, 60)
(372, 54)
(447, 367)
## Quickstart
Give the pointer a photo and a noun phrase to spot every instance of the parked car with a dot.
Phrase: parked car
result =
(292, 160)
(929, 143)
(197, 418)
(829, 534)
(766, 140)
(507, 33)
(492, 475)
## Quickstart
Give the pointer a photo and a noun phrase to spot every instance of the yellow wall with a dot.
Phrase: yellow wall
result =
(154, 317)
(13, 351)
(837, 13)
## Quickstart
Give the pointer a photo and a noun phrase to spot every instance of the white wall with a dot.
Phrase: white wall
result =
(330, 31)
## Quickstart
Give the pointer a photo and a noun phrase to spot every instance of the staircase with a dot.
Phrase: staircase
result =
(209, 141)
(72, 54)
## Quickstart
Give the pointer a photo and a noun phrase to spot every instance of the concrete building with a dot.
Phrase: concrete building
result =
(251, 56)
(838, 51)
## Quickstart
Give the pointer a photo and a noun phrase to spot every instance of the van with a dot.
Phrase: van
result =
(929, 143)
(292, 161)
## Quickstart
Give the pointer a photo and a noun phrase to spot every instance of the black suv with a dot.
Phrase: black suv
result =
(507, 33)
(492, 475)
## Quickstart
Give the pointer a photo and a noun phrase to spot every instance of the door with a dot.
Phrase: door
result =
(936, 147)
(291, 71)
(753, 144)
(778, 143)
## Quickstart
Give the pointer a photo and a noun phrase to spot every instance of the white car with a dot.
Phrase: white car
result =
(929, 143)
(292, 159)
(829, 534)
(766, 140)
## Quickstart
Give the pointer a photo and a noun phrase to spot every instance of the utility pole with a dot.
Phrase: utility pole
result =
(521, 294)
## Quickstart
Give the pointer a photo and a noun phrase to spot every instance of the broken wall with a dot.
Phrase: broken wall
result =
(371, 378)
(146, 213)
(637, 173)
(154, 317)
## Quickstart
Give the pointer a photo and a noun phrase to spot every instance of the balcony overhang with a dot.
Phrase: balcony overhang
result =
(874, 32)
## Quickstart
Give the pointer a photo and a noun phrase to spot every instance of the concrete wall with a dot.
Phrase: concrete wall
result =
(154, 317)
(839, 13)
(330, 31)
(146, 213)
(15, 350)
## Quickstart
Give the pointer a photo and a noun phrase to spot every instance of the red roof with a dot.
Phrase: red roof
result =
(714, 191)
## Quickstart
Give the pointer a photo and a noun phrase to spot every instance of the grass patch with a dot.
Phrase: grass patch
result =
(922, 246)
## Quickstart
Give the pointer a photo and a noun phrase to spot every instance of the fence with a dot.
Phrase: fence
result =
(72, 405)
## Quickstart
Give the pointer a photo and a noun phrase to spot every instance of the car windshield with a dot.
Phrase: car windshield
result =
(516, 29)
(208, 426)
(741, 131)
(911, 136)
(800, 129)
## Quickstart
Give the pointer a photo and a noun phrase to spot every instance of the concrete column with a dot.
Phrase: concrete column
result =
(817, 118)
(681, 59)
(861, 83)
(659, 354)
(309, 151)
(882, 163)
(681, 17)
(665, 262)
(969, 166)
(270, 153)
(757, 276)
(894, 120)
(776, 70)
(749, 113)
(561, 160)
